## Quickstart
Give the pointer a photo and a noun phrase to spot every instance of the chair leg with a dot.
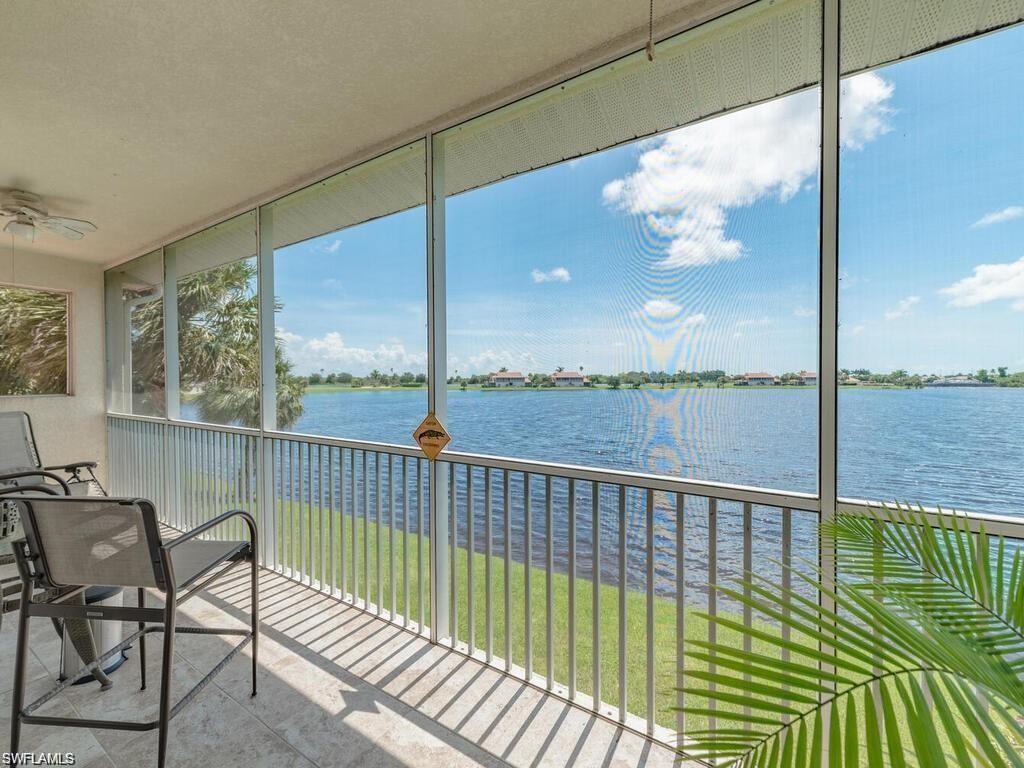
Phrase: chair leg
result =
(165, 678)
(142, 642)
(255, 613)
(20, 667)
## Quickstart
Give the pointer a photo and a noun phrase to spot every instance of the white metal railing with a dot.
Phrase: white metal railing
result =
(576, 580)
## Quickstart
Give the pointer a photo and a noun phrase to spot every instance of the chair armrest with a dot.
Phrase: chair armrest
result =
(72, 467)
(37, 488)
(36, 473)
(218, 520)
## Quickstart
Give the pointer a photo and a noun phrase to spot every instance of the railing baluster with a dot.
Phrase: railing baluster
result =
(528, 560)
(680, 615)
(595, 502)
(366, 531)
(292, 538)
(506, 492)
(748, 567)
(549, 604)
(419, 544)
(470, 548)
(391, 530)
(453, 544)
(650, 612)
(622, 603)
(488, 549)
(378, 535)
(278, 508)
(787, 561)
(313, 556)
(353, 516)
(321, 552)
(405, 541)
(331, 452)
(304, 568)
(572, 589)
(712, 594)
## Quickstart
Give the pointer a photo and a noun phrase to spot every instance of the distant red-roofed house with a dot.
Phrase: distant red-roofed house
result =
(569, 379)
(759, 379)
(809, 377)
(507, 379)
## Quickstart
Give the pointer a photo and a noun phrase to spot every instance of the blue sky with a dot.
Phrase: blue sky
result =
(698, 248)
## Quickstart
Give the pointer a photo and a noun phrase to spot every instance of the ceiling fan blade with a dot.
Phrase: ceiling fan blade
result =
(80, 226)
(55, 226)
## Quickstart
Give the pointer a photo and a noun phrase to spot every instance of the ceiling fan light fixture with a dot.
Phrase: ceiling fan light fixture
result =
(21, 226)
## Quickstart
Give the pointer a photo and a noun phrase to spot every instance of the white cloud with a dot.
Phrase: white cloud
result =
(333, 246)
(903, 308)
(490, 360)
(331, 352)
(687, 180)
(664, 310)
(990, 282)
(556, 275)
(998, 217)
(661, 309)
(804, 312)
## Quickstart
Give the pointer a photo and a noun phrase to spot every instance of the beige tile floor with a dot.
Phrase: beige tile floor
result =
(338, 687)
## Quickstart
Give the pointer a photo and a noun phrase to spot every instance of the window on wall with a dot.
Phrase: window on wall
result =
(350, 286)
(135, 337)
(652, 306)
(218, 323)
(931, 343)
(34, 341)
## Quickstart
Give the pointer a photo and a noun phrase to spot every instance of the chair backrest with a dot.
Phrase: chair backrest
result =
(92, 541)
(17, 443)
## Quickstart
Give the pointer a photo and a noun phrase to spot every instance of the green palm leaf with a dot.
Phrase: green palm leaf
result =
(927, 620)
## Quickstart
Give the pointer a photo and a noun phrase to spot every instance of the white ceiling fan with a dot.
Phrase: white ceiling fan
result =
(27, 214)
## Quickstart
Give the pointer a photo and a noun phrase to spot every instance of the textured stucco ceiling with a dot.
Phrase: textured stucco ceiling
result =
(149, 118)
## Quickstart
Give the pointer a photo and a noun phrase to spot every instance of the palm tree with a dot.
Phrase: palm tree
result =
(929, 623)
(218, 345)
(33, 342)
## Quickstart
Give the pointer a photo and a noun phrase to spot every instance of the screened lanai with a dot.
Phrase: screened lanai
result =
(605, 385)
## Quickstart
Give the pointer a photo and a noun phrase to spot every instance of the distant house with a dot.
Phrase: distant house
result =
(507, 379)
(569, 379)
(958, 381)
(759, 379)
(809, 378)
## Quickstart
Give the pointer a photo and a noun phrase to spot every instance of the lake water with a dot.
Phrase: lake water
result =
(958, 448)
(955, 447)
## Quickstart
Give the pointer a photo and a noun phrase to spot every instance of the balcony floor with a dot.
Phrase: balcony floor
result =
(338, 687)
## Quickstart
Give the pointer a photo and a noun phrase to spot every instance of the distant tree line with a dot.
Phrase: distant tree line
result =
(999, 376)
(373, 379)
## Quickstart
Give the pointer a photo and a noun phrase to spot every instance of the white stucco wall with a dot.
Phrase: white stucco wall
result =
(67, 428)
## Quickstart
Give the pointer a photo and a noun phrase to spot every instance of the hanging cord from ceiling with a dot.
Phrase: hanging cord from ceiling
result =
(650, 33)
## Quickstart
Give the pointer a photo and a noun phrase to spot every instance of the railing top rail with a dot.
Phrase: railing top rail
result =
(995, 525)
(721, 491)
(190, 424)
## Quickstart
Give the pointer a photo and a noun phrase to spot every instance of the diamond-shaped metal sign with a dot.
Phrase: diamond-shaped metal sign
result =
(431, 436)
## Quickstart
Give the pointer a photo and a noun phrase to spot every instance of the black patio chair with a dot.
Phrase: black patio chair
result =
(74, 542)
(20, 463)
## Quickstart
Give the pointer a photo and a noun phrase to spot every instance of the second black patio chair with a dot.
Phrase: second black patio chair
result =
(20, 463)
(73, 542)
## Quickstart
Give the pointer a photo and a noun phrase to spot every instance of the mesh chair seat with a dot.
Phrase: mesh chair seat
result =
(76, 542)
(194, 559)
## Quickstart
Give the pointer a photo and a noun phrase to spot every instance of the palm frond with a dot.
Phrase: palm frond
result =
(917, 664)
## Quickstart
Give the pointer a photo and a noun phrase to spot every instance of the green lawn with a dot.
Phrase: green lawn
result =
(367, 540)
